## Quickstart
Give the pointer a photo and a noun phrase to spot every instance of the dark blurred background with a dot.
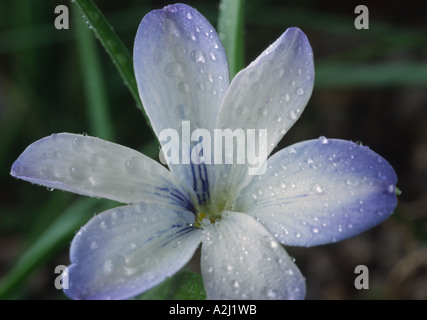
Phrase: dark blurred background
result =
(370, 86)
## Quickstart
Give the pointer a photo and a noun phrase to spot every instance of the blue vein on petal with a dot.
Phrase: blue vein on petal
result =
(176, 197)
(182, 232)
(200, 175)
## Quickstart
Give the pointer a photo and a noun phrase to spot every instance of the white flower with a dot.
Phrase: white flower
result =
(313, 192)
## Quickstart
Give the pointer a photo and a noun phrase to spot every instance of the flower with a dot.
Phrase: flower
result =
(314, 192)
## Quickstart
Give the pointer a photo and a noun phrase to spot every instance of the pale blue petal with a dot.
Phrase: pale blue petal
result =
(242, 260)
(127, 250)
(270, 94)
(182, 75)
(97, 168)
(321, 191)
(180, 67)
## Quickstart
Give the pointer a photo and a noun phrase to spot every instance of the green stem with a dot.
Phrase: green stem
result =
(230, 28)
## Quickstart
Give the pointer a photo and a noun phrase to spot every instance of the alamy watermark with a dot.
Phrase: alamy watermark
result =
(362, 280)
(225, 147)
(61, 281)
(362, 20)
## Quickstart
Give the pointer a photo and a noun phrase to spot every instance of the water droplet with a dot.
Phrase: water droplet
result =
(197, 56)
(317, 188)
(189, 16)
(256, 86)
(206, 222)
(323, 140)
(78, 172)
(262, 111)
(238, 110)
(105, 225)
(132, 165)
(172, 69)
(278, 118)
(391, 189)
(277, 73)
(212, 56)
(113, 264)
(271, 294)
(184, 87)
(116, 215)
(94, 158)
(177, 244)
(299, 91)
(285, 97)
(77, 143)
(192, 36)
(93, 245)
(292, 115)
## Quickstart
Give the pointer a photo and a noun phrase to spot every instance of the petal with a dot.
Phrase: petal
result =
(180, 67)
(97, 168)
(124, 251)
(273, 90)
(321, 191)
(269, 95)
(182, 75)
(242, 260)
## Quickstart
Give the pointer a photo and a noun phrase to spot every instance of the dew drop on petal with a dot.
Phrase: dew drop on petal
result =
(317, 188)
(213, 57)
(285, 97)
(197, 56)
(189, 16)
(172, 69)
(292, 115)
(299, 91)
(113, 264)
(262, 111)
(184, 87)
(323, 140)
(278, 118)
(78, 172)
(277, 73)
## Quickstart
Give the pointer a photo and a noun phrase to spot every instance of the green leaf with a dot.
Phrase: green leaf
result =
(93, 84)
(184, 285)
(112, 44)
(230, 29)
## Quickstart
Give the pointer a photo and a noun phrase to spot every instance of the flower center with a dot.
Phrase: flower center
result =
(204, 220)
(210, 212)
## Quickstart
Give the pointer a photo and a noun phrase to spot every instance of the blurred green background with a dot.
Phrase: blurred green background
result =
(370, 86)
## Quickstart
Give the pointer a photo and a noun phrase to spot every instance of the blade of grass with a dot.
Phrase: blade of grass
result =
(112, 44)
(370, 75)
(56, 236)
(93, 85)
(230, 29)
